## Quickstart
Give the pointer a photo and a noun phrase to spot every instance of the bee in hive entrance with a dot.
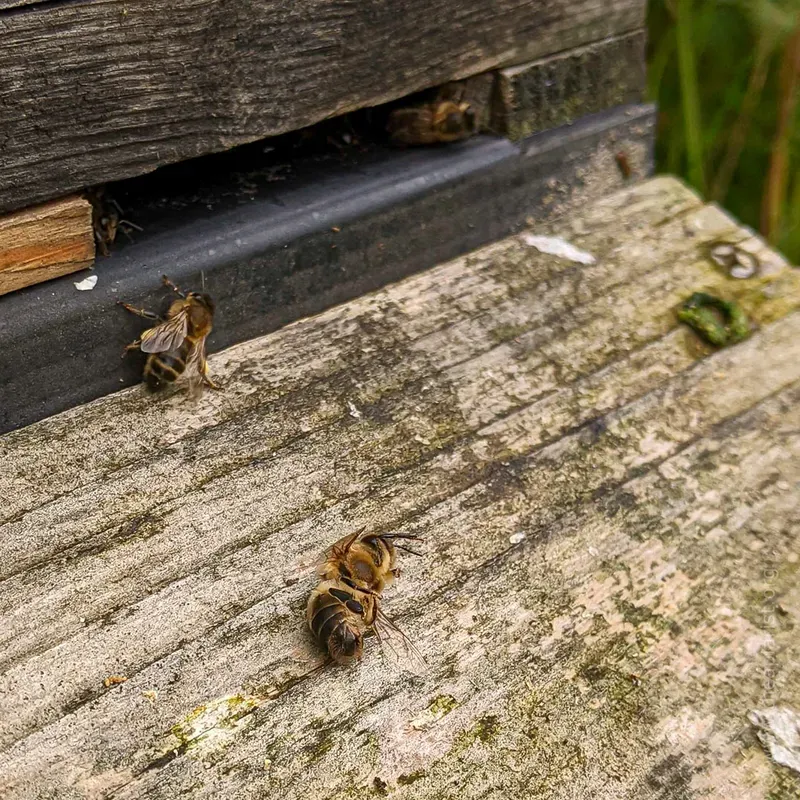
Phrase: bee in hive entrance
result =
(447, 118)
(107, 219)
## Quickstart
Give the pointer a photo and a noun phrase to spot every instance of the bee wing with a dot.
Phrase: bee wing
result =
(196, 359)
(410, 125)
(339, 549)
(169, 335)
(195, 366)
(397, 648)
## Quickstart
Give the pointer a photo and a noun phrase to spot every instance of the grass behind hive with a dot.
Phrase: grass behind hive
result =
(726, 76)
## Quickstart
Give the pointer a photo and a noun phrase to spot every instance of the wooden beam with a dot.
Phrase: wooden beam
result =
(45, 242)
(560, 89)
(610, 520)
(97, 91)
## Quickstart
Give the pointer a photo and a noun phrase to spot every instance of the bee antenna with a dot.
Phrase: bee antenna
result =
(167, 282)
(407, 550)
(202, 280)
(401, 536)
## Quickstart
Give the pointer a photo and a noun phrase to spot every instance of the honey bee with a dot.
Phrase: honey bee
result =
(107, 219)
(447, 118)
(176, 346)
(346, 603)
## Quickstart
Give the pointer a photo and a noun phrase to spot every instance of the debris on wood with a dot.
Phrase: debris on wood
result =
(737, 262)
(720, 322)
(624, 164)
(87, 284)
(555, 246)
(778, 730)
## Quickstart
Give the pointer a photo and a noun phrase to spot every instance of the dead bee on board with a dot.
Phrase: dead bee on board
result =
(176, 346)
(447, 118)
(107, 219)
(346, 603)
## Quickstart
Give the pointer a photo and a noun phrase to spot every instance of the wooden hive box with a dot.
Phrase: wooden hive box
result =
(98, 92)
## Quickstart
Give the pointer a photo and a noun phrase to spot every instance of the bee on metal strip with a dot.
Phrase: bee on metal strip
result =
(176, 345)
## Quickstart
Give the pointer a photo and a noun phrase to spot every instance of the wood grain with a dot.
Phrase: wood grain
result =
(8, 4)
(97, 90)
(45, 242)
(560, 89)
(614, 647)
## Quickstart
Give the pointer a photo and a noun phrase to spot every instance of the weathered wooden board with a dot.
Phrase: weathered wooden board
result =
(45, 242)
(562, 88)
(97, 91)
(610, 513)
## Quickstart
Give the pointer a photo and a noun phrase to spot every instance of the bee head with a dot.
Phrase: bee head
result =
(460, 119)
(470, 119)
(203, 299)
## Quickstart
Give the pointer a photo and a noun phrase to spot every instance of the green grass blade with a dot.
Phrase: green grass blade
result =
(690, 96)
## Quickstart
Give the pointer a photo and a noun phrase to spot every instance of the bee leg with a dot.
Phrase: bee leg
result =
(140, 312)
(206, 380)
(135, 345)
(126, 227)
(168, 282)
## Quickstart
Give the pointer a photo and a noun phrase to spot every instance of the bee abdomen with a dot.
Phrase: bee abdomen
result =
(345, 644)
(328, 620)
(162, 369)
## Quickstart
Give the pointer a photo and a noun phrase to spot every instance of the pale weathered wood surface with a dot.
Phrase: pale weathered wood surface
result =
(614, 652)
(93, 91)
(44, 242)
